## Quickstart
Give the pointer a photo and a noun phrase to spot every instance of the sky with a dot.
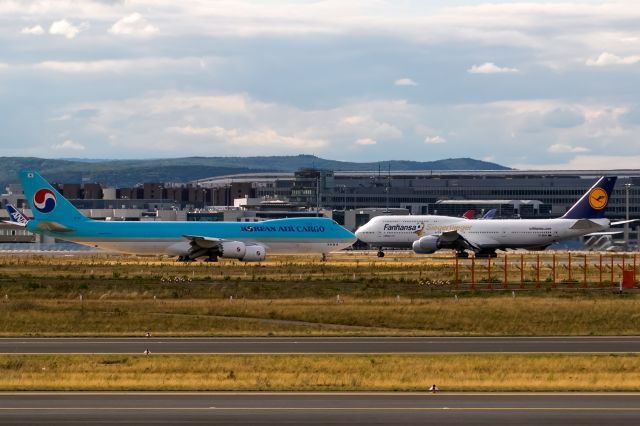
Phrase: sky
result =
(527, 84)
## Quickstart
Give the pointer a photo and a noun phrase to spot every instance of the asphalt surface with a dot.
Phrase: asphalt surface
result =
(321, 408)
(289, 345)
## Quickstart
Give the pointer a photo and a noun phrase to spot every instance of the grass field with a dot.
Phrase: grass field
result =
(497, 316)
(321, 372)
(351, 294)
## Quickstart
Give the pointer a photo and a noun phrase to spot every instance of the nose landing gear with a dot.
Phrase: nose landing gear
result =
(380, 253)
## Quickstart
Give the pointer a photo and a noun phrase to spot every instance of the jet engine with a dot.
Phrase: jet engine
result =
(233, 249)
(254, 254)
(426, 245)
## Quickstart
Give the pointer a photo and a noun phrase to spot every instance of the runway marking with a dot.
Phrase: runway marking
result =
(312, 393)
(158, 352)
(607, 409)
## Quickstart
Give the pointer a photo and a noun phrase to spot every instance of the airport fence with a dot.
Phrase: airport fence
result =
(547, 271)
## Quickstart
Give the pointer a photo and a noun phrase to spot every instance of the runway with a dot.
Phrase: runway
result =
(319, 408)
(320, 345)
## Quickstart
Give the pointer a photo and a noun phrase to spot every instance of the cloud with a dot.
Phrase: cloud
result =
(607, 59)
(135, 25)
(69, 145)
(366, 141)
(189, 64)
(233, 124)
(433, 140)
(66, 28)
(563, 118)
(490, 68)
(3, 66)
(405, 82)
(260, 137)
(35, 30)
(588, 162)
(560, 148)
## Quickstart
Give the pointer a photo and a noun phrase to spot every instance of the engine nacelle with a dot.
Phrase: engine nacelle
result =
(426, 245)
(233, 249)
(254, 254)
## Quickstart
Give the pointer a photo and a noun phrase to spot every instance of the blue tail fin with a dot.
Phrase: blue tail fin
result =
(46, 203)
(490, 214)
(593, 203)
(16, 215)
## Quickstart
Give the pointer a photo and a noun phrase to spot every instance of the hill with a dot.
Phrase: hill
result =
(132, 172)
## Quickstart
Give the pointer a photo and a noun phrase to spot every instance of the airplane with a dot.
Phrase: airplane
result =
(489, 215)
(469, 214)
(427, 234)
(15, 216)
(55, 216)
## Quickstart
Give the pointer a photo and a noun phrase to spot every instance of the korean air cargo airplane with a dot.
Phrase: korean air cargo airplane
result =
(430, 233)
(55, 216)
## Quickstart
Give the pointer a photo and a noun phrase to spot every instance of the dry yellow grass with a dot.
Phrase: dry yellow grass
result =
(502, 315)
(488, 372)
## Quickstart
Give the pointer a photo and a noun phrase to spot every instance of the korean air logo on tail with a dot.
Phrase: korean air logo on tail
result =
(44, 200)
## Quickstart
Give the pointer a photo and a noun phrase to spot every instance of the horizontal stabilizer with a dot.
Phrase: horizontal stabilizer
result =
(593, 234)
(622, 222)
(47, 225)
(10, 222)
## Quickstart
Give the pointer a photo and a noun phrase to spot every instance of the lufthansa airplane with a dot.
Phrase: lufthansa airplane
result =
(428, 233)
(55, 216)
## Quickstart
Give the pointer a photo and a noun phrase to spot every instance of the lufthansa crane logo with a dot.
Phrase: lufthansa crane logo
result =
(598, 198)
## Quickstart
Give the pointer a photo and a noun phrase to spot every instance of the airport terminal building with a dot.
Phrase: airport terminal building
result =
(525, 194)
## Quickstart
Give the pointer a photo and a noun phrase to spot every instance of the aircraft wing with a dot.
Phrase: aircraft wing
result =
(210, 242)
(203, 242)
(453, 239)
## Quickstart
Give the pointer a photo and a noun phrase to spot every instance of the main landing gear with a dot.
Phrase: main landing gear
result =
(486, 254)
(479, 255)
(380, 253)
(462, 254)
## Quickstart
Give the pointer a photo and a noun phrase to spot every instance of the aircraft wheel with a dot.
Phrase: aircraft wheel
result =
(462, 255)
(380, 253)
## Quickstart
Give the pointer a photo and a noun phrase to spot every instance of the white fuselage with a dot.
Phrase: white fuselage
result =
(402, 231)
